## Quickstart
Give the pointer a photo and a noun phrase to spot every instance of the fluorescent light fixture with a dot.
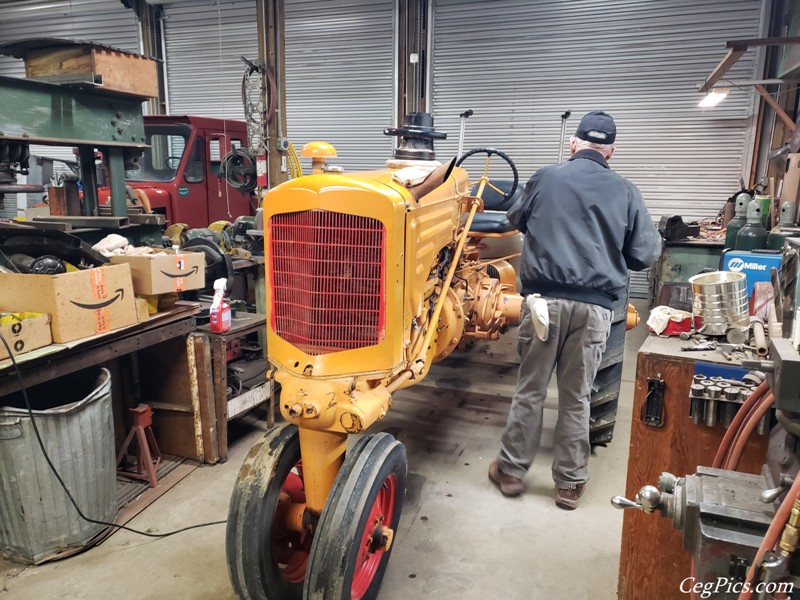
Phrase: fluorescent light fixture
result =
(714, 97)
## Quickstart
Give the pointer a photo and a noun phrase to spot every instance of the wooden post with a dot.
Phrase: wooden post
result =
(271, 52)
(775, 106)
(202, 389)
(220, 371)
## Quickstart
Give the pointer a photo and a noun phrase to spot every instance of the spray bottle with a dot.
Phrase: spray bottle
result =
(220, 311)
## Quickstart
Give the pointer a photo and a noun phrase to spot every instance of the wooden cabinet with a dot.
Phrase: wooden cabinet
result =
(653, 561)
(216, 364)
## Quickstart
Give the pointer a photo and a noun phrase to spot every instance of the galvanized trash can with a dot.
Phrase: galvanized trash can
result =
(37, 521)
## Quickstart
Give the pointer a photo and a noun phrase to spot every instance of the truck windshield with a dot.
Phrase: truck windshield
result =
(161, 160)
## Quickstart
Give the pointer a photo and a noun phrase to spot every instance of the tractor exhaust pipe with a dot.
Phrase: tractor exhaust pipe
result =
(464, 116)
(564, 118)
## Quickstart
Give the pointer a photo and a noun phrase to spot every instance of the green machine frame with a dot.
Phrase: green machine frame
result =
(43, 113)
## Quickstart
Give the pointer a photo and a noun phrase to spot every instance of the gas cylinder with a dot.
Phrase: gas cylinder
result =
(739, 220)
(753, 235)
(779, 233)
(766, 210)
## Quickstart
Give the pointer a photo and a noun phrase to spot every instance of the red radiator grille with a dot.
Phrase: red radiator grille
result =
(327, 280)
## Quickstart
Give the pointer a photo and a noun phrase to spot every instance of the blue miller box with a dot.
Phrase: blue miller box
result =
(756, 265)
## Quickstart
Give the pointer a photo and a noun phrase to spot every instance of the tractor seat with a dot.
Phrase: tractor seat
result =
(494, 201)
(491, 222)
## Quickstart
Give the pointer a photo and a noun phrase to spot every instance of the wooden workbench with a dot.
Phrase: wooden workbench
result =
(653, 561)
(57, 360)
(156, 347)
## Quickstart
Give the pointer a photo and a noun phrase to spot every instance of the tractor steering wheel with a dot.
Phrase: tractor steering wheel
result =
(168, 162)
(485, 177)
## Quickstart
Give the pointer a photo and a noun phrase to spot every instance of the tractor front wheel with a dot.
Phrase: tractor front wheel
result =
(353, 540)
(265, 561)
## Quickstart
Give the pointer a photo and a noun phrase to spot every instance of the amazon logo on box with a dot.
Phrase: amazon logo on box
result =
(165, 273)
(80, 304)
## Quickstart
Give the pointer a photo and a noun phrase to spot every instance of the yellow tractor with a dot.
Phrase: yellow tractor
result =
(372, 278)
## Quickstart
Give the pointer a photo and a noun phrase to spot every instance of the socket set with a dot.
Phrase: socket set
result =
(715, 401)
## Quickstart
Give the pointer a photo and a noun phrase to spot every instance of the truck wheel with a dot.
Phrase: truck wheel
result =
(353, 540)
(265, 562)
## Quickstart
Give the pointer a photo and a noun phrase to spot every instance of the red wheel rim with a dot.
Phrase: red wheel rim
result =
(367, 560)
(290, 549)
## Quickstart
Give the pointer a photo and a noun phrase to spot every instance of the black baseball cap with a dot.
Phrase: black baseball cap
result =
(597, 127)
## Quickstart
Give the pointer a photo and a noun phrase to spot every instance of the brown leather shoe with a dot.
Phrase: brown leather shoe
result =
(509, 485)
(569, 494)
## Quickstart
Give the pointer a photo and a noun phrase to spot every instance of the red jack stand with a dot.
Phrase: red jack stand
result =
(146, 447)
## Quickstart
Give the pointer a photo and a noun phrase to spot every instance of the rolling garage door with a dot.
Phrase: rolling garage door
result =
(339, 69)
(519, 65)
(340, 77)
(97, 21)
(204, 42)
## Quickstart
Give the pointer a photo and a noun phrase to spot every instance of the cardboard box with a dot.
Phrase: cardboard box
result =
(26, 335)
(80, 304)
(165, 273)
(142, 310)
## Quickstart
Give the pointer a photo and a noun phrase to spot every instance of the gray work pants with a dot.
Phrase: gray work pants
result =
(574, 346)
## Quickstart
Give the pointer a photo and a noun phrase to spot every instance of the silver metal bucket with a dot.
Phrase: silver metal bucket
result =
(720, 300)
(37, 521)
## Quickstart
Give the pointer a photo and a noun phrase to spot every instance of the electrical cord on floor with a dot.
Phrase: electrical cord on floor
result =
(57, 475)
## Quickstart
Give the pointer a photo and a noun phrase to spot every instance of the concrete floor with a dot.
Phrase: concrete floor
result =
(459, 538)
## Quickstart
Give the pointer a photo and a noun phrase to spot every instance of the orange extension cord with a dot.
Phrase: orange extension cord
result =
(753, 419)
(735, 426)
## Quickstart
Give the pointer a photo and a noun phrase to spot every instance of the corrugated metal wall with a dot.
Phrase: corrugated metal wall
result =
(340, 77)
(204, 42)
(102, 21)
(339, 69)
(519, 65)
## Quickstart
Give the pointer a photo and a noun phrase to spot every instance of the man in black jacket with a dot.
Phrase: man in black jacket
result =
(585, 227)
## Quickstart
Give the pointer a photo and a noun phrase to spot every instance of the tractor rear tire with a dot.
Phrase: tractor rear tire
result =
(606, 386)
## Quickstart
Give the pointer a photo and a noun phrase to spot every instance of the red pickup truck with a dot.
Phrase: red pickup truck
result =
(180, 171)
